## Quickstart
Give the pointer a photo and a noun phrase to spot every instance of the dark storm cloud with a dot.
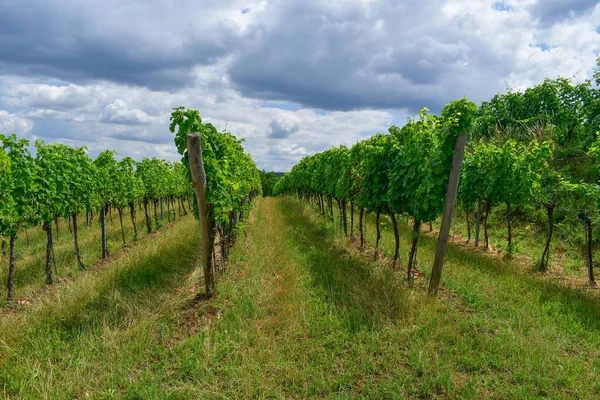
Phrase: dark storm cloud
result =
(88, 72)
(327, 55)
(550, 12)
(380, 55)
(70, 41)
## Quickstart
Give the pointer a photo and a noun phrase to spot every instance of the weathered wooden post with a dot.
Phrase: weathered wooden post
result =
(478, 223)
(587, 223)
(11, 269)
(103, 231)
(440, 253)
(194, 148)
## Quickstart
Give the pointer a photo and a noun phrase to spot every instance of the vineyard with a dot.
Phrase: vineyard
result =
(451, 257)
(63, 185)
(512, 163)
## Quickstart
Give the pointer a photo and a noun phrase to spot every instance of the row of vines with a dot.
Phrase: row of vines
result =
(60, 181)
(64, 182)
(403, 172)
(513, 158)
(224, 192)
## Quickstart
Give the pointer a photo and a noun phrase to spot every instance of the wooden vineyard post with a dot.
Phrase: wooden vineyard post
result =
(587, 223)
(11, 269)
(478, 223)
(103, 231)
(194, 148)
(442, 244)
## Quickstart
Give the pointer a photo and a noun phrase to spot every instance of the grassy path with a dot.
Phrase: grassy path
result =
(328, 323)
(300, 315)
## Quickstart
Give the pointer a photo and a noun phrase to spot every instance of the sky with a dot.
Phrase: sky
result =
(291, 77)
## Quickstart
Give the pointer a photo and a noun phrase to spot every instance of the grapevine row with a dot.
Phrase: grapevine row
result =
(64, 182)
(515, 143)
(232, 181)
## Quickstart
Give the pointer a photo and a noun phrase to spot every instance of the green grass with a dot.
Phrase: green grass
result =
(85, 337)
(301, 313)
(529, 237)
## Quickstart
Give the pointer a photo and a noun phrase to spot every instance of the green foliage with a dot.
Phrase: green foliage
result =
(459, 115)
(62, 180)
(106, 176)
(182, 187)
(556, 109)
(371, 169)
(82, 184)
(16, 184)
(128, 185)
(51, 191)
(268, 180)
(406, 170)
(231, 175)
(6, 198)
(149, 172)
(508, 172)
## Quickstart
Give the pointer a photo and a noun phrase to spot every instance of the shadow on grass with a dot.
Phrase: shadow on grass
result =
(30, 260)
(564, 302)
(364, 295)
(554, 297)
(138, 286)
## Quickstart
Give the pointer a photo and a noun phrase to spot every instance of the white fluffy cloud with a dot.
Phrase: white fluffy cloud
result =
(11, 123)
(118, 112)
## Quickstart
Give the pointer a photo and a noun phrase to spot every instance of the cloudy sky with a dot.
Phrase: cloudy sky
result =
(292, 77)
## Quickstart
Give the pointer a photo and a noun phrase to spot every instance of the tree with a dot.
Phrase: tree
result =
(80, 189)
(268, 180)
(7, 215)
(232, 180)
(149, 172)
(128, 190)
(508, 172)
(106, 179)
(50, 187)
(17, 195)
(372, 164)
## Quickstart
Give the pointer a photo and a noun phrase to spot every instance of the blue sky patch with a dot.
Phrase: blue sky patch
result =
(500, 6)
